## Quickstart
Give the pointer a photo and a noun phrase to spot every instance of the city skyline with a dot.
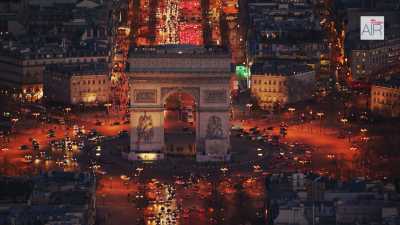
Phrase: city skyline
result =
(220, 112)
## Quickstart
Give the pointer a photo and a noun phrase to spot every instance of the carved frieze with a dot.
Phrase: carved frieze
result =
(193, 91)
(215, 96)
(214, 128)
(145, 95)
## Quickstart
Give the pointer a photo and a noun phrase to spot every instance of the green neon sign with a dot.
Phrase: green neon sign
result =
(242, 72)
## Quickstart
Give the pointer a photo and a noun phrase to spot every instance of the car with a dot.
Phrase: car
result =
(341, 136)
(238, 128)
(123, 133)
(28, 158)
(23, 147)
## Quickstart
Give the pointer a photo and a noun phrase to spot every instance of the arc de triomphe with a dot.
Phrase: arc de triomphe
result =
(157, 72)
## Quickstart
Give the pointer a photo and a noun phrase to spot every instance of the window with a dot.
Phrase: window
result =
(104, 81)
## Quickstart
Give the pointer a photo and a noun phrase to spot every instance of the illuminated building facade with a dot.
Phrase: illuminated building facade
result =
(370, 59)
(22, 72)
(77, 84)
(385, 97)
(276, 86)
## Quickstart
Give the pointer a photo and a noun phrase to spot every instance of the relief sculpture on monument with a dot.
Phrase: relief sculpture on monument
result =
(214, 128)
(145, 128)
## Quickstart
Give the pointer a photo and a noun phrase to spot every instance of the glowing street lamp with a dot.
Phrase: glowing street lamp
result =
(67, 109)
(108, 105)
(249, 107)
(139, 171)
(320, 115)
(13, 122)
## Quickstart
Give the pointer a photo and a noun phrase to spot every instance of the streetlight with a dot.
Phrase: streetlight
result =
(249, 105)
(365, 139)
(291, 110)
(139, 170)
(111, 179)
(108, 105)
(67, 110)
(320, 115)
(344, 121)
(13, 123)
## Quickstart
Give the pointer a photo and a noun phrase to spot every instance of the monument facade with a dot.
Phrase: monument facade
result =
(157, 72)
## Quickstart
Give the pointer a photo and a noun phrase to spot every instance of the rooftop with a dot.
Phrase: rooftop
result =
(392, 82)
(279, 68)
(79, 69)
(178, 51)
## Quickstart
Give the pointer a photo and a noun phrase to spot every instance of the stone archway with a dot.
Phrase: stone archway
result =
(156, 75)
(180, 123)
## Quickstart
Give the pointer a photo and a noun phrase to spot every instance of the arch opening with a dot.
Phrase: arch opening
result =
(180, 124)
